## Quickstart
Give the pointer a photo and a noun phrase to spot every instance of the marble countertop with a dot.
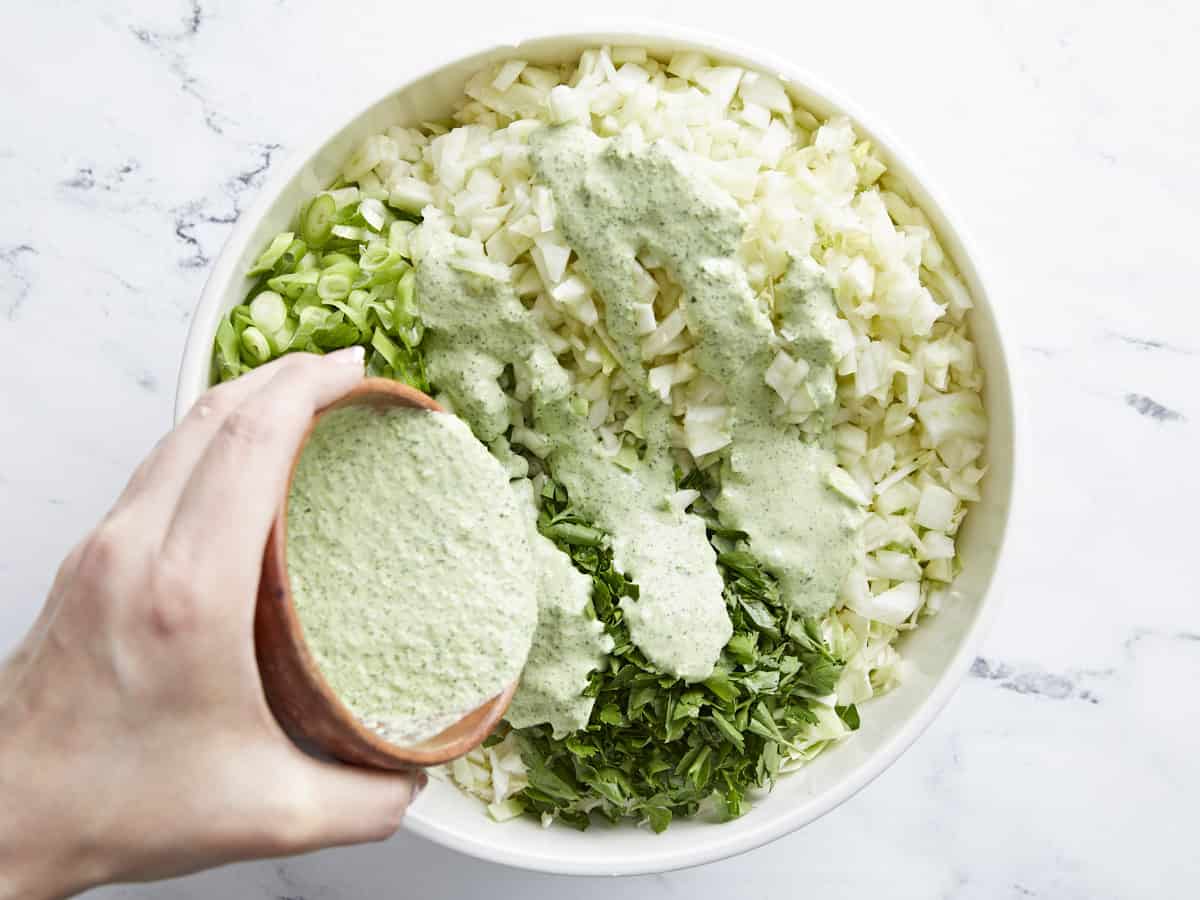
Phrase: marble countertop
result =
(133, 133)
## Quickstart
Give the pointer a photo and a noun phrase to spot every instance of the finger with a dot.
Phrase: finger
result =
(158, 482)
(230, 500)
(353, 806)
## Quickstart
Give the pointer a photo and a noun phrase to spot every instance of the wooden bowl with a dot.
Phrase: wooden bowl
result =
(298, 694)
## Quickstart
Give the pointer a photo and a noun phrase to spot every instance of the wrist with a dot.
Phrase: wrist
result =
(44, 853)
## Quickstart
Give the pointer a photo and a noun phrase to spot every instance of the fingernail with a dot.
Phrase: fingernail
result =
(349, 355)
(419, 782)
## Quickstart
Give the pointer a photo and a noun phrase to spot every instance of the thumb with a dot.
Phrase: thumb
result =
(356, 805)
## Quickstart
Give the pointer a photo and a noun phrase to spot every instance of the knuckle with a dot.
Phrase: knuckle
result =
(69, 567)
(173, 604)
(216, 402)
(244, 428)
(100, 554)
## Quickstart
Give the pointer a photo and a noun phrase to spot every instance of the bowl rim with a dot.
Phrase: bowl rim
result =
(195, 370)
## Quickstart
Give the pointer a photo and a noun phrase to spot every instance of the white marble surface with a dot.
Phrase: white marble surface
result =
(133, 132)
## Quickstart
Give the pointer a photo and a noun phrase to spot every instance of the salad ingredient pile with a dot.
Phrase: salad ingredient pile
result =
(723, 361)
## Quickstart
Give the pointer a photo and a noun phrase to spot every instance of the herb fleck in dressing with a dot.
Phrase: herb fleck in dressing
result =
(411, 568)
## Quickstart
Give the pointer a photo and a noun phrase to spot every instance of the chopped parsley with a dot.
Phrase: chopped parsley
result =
(657, 747)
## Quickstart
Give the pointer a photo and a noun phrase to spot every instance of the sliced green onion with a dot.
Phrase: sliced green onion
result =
(386, 348)
(355, 308)
(306, 299)
(240, 316)
(407, 323)
(334, 285)
(268, 311)
(342, 277)
(256, 345)
(316, 224)
(329, 260)
(382, 308)
(272, 254)
(281, 340)
(377, 366)
(376, 256)
(293, 284)
(406, 294)
(310, 318)
(334, 332)
(382, 263)
(295, 252)
(229, 363)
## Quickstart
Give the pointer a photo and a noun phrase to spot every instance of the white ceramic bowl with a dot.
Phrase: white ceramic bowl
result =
(938, 653)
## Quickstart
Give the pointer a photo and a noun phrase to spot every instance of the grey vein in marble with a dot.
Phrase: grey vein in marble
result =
(1139, 635)
(191, 215)
(1152, 409)
(1149, 344)
(1037, 682)
(1047, 352)
(174, 49)
(87, 179)
(14, 270)
(295, 886)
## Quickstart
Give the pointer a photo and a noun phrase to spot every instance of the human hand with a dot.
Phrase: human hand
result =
(135, 739)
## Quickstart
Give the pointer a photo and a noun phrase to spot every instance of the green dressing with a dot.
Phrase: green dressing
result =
(568, 645)
(411, 568)
(476, 326)
(616, 201)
